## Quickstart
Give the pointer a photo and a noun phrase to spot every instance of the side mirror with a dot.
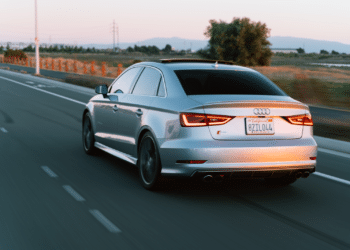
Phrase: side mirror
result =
(102, 89)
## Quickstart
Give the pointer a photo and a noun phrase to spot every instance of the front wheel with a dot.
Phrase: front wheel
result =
(149, 163)
(88, 136)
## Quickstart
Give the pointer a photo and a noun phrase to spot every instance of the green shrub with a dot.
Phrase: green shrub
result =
(15, 54)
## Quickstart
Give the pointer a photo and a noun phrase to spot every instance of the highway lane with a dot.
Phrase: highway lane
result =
(39, 213)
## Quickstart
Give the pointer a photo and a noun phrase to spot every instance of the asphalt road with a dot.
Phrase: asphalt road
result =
(54, 196)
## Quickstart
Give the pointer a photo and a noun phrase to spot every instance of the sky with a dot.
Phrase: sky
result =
(83, 22)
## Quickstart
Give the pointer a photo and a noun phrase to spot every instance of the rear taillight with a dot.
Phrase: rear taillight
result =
(305, 120)
(199, 120)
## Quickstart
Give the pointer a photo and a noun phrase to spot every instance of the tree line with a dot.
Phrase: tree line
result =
(153, 50)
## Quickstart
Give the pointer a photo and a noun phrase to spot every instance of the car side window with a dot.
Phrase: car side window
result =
(161, 89)
(124, 82)
(148, 82)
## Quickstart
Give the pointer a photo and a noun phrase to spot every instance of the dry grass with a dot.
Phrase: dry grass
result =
(295, 75)
(316, 85)
(337, 75)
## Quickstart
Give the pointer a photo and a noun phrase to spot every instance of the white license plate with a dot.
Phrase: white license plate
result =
(259, 126)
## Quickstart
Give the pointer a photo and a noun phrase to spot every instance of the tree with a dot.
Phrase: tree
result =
(324, 52)
(167, 49)
(335, 52)
(154, 50)
(15, 54)
(130, 49)
(241, 41)
(29, 48)
(301, 51)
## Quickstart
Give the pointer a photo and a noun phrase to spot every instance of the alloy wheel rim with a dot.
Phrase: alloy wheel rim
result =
(148, 161)
(87, 134)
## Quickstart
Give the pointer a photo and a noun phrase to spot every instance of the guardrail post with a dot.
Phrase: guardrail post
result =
(92, 69)
(103, 69)
(119, 70)
(66, 66)
(75, 67)
(85, 68)
(47, 63)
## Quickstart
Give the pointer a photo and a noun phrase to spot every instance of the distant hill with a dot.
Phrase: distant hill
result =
(310, 45)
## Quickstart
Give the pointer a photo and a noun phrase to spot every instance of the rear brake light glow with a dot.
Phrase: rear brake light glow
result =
(199, 120)
(192, 161)
(312, 158)
(305, 120)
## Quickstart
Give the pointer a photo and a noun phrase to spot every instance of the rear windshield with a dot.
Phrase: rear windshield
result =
(226, 82)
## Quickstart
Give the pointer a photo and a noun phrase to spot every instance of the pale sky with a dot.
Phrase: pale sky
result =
(81, 22)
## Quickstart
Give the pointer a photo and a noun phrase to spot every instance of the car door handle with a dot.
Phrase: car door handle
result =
(115, 108)
(139, 112)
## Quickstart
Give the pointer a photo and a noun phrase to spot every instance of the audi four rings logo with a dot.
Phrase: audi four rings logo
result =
(261, 111)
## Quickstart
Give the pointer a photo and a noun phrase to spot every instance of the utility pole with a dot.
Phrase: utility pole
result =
(117, 37)
(37, 68)
(113, 35)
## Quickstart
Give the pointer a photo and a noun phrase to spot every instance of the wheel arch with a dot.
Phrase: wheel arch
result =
(88, 109)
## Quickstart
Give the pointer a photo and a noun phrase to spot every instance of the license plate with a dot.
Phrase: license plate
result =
(259, 126)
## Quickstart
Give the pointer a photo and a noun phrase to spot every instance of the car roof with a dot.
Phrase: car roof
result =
(193, 64)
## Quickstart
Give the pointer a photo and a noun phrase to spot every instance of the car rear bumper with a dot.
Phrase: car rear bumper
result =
(233, 157)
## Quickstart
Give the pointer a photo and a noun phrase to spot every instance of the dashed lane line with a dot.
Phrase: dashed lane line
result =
(47, 92)
(104, 221)
(3, 130)
(73, 193)
(29, 82)
(49, 171)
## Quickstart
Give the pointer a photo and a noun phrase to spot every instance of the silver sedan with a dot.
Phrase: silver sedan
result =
(204, 119)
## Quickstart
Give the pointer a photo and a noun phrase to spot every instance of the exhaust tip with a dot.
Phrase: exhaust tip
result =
(306, 174)
(208, 178)
(219, 178)
(298, 175)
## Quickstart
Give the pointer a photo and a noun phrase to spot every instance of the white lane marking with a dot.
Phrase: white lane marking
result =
(334, 152)
(3, 130)
(48, 92)
(332, 178)
(49, 172)
(29, 82)
(104, 221)
(73, 193)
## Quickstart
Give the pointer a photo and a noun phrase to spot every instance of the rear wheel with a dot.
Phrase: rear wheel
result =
(281, 181)
(88, 136)
(149, 163)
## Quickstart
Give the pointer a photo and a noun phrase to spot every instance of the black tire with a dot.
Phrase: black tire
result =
(88, 136)
(281, 181)
(149, 163)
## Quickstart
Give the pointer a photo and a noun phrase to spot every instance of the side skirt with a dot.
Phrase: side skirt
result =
(116, 153)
